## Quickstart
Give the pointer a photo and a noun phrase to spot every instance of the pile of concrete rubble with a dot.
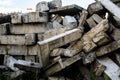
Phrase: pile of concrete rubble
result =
(58, 42)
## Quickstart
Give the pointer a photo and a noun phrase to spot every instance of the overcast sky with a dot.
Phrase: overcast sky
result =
(22, 5)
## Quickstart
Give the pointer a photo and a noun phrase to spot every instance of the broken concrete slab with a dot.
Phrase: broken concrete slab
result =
(108, 48)
(28, 66)
(112, 70)
(66, 10)
(102, 26)
(57, 67)
(35, 17)
(28, 39)
(111, 7)
(28, 28)
(87, 38)
(53, 32)
(83, 17)
(57, 41)
(9, 61)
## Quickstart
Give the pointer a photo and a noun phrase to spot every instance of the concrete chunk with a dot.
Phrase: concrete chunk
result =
(17, 50)
(30, 39)
(102, 26)
(30, 58)
(57, 18)
(115, 34)
(28, 28)
(35, 17)
(89, 46)
(91, 22)
(97, 18)
(99, 68)
(33, 50)
(57, 25)
(101, 38)
(108, 48)
(17, 40)
(70, 22)
(88, 59)
(4, 28)
(83, 18)
(16, 19)
(42, 6)
(9, 61)
(86, 40)
(52, 33)
(55, 4)
(61, 52)
(3, 49)
(95, 8)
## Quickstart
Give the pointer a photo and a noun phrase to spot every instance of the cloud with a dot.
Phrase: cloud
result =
(82, 3)
(7, 6)
(7, 10)
(10, 10)
(6, 2)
